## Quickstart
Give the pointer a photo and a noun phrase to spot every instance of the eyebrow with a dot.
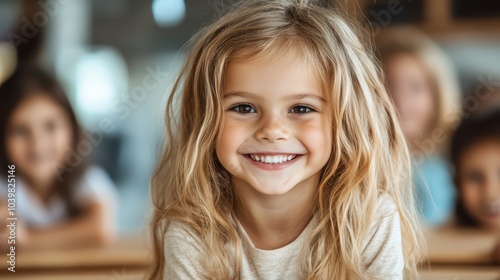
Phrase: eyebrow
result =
(299, 96)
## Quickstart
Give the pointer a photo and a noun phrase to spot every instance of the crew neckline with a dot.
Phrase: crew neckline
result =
(297, 240)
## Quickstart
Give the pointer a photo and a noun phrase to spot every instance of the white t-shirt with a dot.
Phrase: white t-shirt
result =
(94, 185)
(382, 253)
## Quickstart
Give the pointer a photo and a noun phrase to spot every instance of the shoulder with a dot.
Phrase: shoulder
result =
(434, 181)
(434, 164)
(385, 224)
(95, 185)
(180, 233)
(95, 174)
(386, 208)
(383, 250)
(386, 213)
(180, 239)
(182, 251)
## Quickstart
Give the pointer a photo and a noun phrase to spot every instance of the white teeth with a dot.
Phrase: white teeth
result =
(272, 159)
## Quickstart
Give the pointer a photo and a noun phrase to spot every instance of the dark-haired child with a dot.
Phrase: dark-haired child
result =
(475, 153)
(38, 131)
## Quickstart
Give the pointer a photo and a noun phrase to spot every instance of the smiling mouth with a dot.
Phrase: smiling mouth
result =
(271, 159)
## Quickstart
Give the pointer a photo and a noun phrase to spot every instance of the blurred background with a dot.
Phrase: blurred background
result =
(116, 61)
(102, 50)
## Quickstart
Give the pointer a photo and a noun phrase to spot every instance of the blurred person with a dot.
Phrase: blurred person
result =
(425, 91)
(60, 201)
(475, 154)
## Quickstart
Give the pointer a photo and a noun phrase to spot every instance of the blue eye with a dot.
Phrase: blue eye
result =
(301, 109)
(243, 109)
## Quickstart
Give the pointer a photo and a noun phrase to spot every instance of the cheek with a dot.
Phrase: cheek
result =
(16, 149)
(316, 135)
(232, 136)
(62, 142)
(470, 197)
(424, 103)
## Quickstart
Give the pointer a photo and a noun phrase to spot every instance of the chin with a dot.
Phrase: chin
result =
(272, 189)
(44, 176)
(274, 192)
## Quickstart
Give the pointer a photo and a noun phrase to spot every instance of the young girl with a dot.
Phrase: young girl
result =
(286, 161)
(475, 154)
(425, 92)
(59, 202)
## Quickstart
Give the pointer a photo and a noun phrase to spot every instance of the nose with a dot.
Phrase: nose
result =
(39, 142)
(272, 128)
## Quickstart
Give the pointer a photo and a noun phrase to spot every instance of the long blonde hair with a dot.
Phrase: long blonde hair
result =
(369, 154)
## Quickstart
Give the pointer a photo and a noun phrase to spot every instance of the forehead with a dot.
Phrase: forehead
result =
(482, 153)
(404, 64)
(285, 72)
(36, 108)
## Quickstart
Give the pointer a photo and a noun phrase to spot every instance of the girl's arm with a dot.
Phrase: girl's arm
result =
(182, 251)
(93, 227)
(383, 250)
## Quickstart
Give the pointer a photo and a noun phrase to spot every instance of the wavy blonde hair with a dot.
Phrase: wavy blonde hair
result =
(369, 154)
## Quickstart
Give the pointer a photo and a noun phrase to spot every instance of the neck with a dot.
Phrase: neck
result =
(42, 188)
(273, 221)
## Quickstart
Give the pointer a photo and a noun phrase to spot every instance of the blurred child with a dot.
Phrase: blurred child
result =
(485, 99)
(425, 92)
(475, 153)
(59, 201)
(286, 161)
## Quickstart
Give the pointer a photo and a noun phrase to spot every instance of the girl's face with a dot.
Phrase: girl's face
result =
(38, 138)
(277, 131)
(412, 94)
(479, 182)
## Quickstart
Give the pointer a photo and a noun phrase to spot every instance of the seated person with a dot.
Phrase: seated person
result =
(60, 202)
(425, 92)
(475, 153)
